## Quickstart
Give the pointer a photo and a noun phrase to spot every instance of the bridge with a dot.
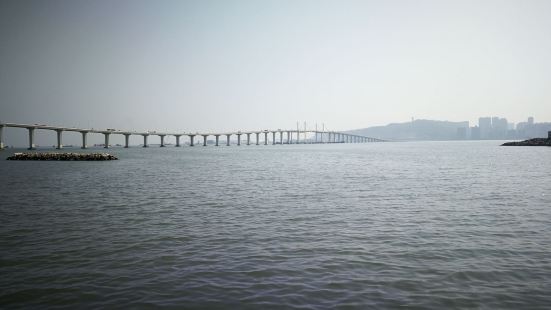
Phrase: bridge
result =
(291, 136)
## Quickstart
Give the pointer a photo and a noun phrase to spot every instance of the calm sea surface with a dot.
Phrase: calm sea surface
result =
(425, 225)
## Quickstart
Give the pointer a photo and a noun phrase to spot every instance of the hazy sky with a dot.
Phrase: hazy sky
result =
(228, 65)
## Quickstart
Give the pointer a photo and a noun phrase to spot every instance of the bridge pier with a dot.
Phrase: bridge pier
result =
(298, 137)
(288, 138)
(162, 140)
(266, 138)
(248, 139)
(281, 137)
(106, 145)
(273, 138)
(238, 139)
(205, 140)
(228, 140)
(84, 138)
(257, 138)
(31, 138)
(191, 137)
(59, 139)
(217, 137)
(177, 140)
(1, 137)
(126, 140)
(145, 140)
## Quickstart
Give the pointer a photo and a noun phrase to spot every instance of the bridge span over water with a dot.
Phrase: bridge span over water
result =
(279, 136)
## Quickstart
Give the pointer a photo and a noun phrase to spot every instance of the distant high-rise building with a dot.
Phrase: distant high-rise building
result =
(462, 133)
(475, 133)
(499, 128)
(485, 126)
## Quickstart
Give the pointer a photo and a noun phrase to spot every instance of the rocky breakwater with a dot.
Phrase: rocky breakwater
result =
(62, 156)
(531, 142)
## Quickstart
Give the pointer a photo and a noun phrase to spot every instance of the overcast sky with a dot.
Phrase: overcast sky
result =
(229, 65)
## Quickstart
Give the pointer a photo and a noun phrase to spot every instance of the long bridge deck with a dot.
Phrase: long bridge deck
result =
(319, 136)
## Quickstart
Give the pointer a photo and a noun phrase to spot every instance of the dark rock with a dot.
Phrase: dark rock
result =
(62, 156)
(531, 142)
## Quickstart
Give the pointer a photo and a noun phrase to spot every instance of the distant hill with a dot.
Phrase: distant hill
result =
(417, 130)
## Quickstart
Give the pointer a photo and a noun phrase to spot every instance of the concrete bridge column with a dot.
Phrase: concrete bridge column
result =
(177, 140)
(248, 139)
(281, 137)
(257, 138)
(1, 137)
(162, 140)
(217, 137)
(84, 134)
(126, 140)
(59, 139)
(205, 140)
(191, 137)
(288, 137)
(329, 137)
(145, 141)
(106, 144)
(238, 139)
(228, 140)
(298, 137)
(273, 138)
(31, 138)
(265, 138)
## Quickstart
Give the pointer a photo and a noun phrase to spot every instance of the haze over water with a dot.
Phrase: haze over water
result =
(423, 224)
